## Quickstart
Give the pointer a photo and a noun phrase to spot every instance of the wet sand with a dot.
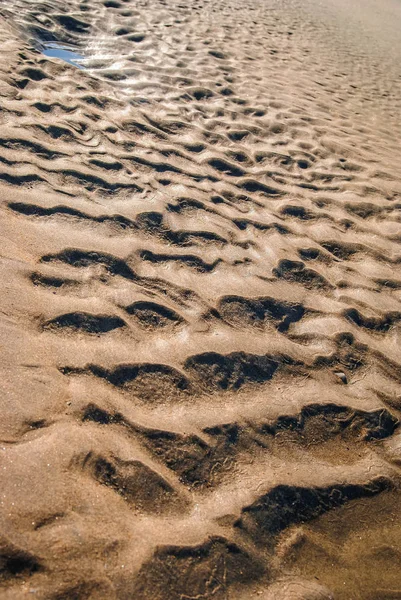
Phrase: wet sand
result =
(200, 300)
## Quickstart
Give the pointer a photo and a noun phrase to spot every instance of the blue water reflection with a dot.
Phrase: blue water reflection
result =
(66, 53)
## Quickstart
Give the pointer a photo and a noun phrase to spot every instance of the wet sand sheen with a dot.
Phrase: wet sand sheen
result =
(201, 300)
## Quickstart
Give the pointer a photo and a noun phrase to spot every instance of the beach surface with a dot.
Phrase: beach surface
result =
(200, 307)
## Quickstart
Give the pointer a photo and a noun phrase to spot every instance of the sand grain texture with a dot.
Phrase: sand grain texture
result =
(200, 300)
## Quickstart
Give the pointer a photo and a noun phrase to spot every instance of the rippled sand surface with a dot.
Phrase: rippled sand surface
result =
(200, 300)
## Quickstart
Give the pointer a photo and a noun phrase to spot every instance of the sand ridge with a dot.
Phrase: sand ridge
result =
(201, 301)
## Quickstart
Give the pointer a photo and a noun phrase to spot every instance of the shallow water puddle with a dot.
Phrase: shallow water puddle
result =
(66, 53)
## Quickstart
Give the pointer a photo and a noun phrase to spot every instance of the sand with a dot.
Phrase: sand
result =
(200, 300)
